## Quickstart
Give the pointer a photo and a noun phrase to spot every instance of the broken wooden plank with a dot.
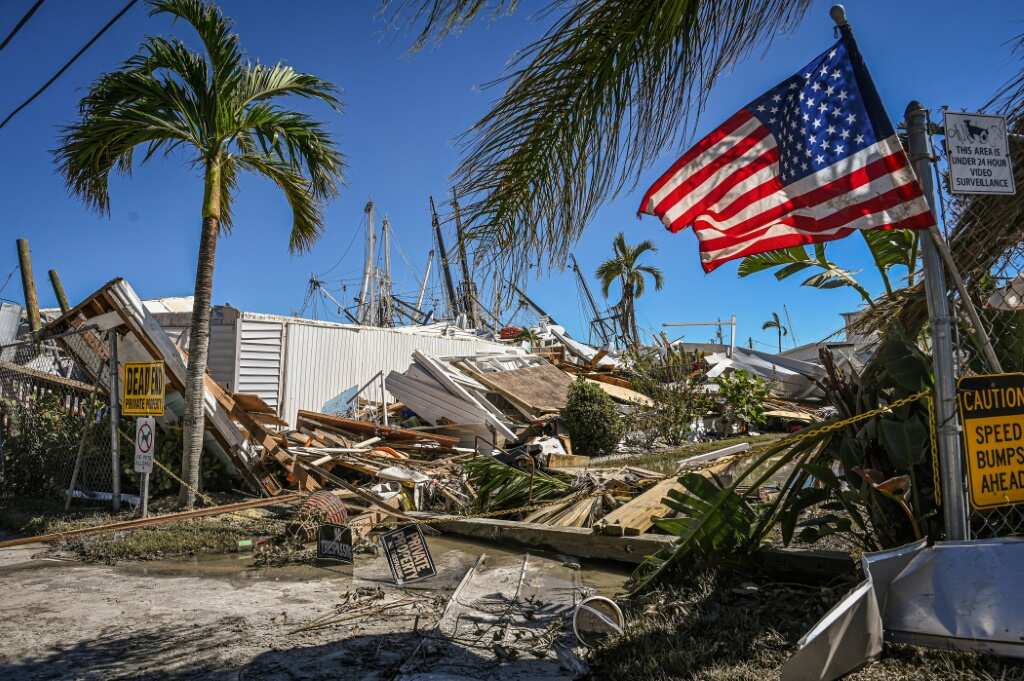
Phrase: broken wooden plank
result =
(574, 541)
(368, 428)
(153, 520)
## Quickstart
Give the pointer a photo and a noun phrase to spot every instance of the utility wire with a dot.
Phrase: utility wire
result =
(71, 61)
(21, 22)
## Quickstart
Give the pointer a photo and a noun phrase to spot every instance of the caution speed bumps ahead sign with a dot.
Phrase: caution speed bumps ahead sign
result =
(143, 389)
(992, 416)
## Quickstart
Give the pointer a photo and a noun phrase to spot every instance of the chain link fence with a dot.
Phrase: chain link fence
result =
(985, 234)
(54, 422)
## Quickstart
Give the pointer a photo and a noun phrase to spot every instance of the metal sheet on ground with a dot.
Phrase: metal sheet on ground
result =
(502, 614)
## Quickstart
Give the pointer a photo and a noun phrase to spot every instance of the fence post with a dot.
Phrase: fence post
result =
(954, 502)
(115, 419)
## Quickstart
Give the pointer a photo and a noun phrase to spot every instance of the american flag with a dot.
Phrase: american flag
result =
(811, 160)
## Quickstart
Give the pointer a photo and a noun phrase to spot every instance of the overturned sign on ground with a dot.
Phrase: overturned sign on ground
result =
(407, 554)
(334, 542)
(992, 414)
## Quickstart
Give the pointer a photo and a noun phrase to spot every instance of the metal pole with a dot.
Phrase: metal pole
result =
(468, 285)
(732, 335)
(115, 419)
(28, 285)
(453, 304)
(954, 503)
(383, 398)
(145, 495)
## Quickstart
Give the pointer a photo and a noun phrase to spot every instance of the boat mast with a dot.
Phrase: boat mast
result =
(423, 284)
(453, 306)
(364, 291)
(468, 286)
(385, 283)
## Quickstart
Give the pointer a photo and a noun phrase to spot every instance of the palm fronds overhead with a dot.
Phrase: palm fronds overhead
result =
(610, 87)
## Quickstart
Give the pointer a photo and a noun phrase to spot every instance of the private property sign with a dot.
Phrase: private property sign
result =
(143, 389)
(992, 414)
(979, 154)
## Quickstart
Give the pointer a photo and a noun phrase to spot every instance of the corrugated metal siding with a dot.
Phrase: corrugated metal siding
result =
(259, 359)
(221, 359)
(323, 362)
(10, 319)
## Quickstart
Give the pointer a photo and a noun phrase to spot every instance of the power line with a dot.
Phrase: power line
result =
(21, 22)
(71, 61)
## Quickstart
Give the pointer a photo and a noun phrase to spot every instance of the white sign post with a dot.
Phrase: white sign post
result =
(145, 445)
(979, 154)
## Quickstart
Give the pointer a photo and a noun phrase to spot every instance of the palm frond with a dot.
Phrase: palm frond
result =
(266, 82)
(214, 30)
(783, 257)
(590, 105)
(307, 219)
(499, 485)
(440, 18)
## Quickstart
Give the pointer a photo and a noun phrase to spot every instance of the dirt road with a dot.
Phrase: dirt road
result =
(222, 619)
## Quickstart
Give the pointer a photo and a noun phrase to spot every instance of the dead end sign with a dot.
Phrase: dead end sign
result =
(143, 389)
(992, 414)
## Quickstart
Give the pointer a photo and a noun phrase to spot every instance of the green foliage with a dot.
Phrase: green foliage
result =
(888, 248)
(499, 485)
(743, 397)
(39, 440)
(214, 106)
(869, 482)
(591, 418)
(625, 268)
(668, 379)
(589, 105)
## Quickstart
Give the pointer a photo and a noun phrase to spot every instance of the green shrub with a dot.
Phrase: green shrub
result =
(743, 397)
(591, 418)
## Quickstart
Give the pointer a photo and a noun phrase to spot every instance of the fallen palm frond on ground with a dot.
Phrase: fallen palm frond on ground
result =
(499, 485)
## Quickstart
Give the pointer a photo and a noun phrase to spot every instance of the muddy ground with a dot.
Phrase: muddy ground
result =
(225, 618)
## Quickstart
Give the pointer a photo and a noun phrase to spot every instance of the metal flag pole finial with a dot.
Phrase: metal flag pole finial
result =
(838, 14)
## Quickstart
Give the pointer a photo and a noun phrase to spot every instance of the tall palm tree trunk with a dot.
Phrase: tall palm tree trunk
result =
(780, 339)
(199, 337)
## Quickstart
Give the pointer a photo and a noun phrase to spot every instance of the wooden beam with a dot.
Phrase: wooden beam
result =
(153, 520)
(368, 428)
(574, 541)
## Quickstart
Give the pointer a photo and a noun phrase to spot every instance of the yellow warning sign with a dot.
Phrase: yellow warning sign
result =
(992, 416)
(142, 392)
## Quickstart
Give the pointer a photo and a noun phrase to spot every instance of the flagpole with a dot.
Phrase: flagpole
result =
(954, 503)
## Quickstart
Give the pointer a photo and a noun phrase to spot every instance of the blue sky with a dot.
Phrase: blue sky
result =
(402, 114)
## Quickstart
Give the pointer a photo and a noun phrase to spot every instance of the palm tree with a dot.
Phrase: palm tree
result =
(604, 93)
(625, 268)
(776, 323)
(220, 110)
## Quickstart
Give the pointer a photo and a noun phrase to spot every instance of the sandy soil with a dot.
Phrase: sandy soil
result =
(223, 619)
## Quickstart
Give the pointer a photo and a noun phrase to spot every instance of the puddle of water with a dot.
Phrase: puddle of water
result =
(453, 556)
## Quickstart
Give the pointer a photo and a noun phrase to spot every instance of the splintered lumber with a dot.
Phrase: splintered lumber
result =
(637, 516)
(567, 461)
(154, 520)
(375, 429)
(622, 394)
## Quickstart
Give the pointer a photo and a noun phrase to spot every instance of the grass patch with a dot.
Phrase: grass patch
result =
(218, 534)
(722, 626)
(666, 460)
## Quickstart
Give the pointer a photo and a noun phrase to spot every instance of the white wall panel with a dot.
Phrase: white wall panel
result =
(323, 361)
